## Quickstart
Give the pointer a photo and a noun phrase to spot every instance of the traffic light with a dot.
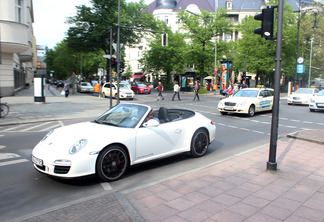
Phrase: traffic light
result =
(113, 63)
(266, 17)
(165, 39)
(244, 74)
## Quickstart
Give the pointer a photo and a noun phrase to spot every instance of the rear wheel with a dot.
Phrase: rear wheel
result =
(112, 163)
(251, 111)
(199, 143)
(4, 110)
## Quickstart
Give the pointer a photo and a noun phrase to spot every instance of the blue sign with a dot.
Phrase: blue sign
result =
(300, 68)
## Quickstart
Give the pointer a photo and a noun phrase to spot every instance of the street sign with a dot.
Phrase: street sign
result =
(108, 56)
(100, 71)
(300, 68)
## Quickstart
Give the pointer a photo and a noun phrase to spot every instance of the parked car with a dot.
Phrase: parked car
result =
(317, 102)
(124, 91)
(126, 83)
(247, 101)
(119, 138)
(140, 88)
(85, 87)
(302, 96)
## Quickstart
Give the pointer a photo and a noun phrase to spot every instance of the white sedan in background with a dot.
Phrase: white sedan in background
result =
(302, 96)
(247, 101)
(85, 87)
(125, 135)
(317, 102)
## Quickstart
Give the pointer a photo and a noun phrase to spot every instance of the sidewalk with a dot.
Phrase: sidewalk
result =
(238, 188)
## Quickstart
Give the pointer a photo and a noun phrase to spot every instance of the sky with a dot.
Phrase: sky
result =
(50, 17)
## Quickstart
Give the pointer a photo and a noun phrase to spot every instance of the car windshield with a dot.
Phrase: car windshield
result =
(123, 115)
(305, 91)
(85, 84)
(321, 93)
(123, 86)
(246, 93)
(141, 85)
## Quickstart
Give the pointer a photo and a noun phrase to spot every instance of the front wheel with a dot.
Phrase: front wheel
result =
(4, 110)
(199, 143)
(112, 163)
(251, 111)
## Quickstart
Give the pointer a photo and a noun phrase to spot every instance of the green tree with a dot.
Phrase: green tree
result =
(259, 53)
(91, 30)
(166, 59)
(200, 30)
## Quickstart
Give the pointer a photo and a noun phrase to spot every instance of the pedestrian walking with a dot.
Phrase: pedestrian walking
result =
(66, 89)
(197, 87)
(236, 87)
(159, 88)
(176, 89)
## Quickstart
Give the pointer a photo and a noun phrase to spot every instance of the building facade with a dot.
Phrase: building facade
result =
(18, 46)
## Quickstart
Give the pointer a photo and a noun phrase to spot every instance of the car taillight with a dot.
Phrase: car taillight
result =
(212, 123)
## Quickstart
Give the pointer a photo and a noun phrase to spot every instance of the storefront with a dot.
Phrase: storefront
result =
(188, 82)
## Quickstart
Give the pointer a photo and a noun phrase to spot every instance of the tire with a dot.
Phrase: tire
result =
(289, 104)
(199, 143)
(223, 113)
(4, 110)
(251, 111)
(104, 95)
(112, 163)
(312, 110)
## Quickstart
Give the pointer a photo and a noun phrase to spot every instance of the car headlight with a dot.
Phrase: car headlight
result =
(77, 146)
(241, 104)
(47, 135)
(312, 100)
(220, 103)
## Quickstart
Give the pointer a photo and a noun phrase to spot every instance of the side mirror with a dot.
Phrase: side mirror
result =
(151, 123)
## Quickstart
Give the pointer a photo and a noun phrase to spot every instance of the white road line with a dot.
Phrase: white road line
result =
(33, 127)
(322, 124)
(245, 129)
(106, 186)
(265, 123)
(4, 156)
(1, 147)
(12, 128)
(12, 162)
(254, 131)
(308, 122)
(295, 120)
(49, 128)
(235, 127)
(292, 127)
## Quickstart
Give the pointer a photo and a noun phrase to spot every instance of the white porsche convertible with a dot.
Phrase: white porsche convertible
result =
(121, 137)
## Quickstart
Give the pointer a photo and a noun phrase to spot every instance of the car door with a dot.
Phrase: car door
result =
(158, 141)
(265, 100)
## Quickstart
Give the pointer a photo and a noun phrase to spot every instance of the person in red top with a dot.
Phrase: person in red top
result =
(160, 90)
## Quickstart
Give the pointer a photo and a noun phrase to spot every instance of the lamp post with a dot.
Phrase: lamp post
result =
(311, 50)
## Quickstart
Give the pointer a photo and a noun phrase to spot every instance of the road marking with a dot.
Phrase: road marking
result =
(295, 120)
(12, 162)
(106, 186)
(245, 129)
(8, 129)
(49, 128)
(292, 127)
(4, 156)
(255, 131)
(33, 127)
(235, 127)
(1, 147)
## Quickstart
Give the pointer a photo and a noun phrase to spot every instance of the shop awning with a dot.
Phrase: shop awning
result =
(209, 77)
(139, 75)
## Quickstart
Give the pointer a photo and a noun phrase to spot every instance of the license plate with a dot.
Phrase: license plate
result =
(228, 108)
(37, 161)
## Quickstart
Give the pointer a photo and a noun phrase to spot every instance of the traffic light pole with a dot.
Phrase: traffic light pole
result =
(272, 164)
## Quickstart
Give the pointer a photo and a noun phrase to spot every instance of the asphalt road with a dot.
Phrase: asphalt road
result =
(23, 190)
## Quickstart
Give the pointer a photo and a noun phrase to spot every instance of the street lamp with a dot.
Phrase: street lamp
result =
(311, 49)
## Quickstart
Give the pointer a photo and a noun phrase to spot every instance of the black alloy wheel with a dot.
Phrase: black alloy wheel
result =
(112, 163)
(199, 143)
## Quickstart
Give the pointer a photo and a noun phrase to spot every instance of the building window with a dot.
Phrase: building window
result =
(18, 11)
(166, 19)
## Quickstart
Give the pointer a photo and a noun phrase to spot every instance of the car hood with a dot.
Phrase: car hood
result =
(319, 99)
(97, 135)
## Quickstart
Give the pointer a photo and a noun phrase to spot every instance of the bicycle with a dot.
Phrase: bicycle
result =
(4, 108)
